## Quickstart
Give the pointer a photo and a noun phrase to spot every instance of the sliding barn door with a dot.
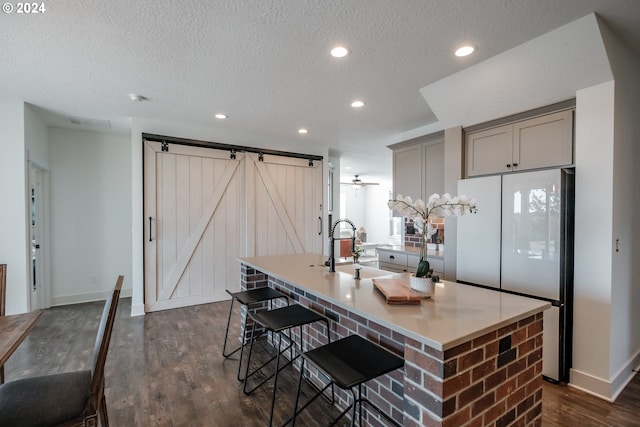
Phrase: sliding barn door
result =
(284, 205)
(193, 212)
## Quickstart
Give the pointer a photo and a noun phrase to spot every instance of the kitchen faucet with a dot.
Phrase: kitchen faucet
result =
(332, 260)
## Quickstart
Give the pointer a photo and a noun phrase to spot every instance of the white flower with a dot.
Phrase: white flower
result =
(420, 212)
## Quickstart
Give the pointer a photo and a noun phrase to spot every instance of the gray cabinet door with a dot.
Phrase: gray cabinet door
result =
(490, 151)
(407, 171)
(543, 141)
(433, 169)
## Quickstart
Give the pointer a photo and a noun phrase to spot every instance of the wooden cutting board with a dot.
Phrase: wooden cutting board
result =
(396, 291)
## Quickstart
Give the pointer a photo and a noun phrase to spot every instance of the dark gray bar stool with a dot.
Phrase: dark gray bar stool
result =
(279, 321)
(247, 298)
(348, 363)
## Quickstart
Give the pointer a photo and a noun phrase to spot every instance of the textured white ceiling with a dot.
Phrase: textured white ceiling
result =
(548, 69)
(266, 63)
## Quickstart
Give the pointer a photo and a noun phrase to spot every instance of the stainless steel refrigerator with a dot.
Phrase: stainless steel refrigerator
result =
(521, 241)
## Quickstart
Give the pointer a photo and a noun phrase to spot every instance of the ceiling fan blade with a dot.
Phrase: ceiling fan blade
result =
(357, 182)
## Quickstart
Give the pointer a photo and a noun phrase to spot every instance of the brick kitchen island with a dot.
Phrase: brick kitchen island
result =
(473, 357)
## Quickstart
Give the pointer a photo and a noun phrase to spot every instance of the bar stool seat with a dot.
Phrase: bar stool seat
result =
(246, 298)
(278, 321)
(348, 363)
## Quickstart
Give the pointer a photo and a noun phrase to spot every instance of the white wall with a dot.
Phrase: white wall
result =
(625, 297)
(354, 204)
(367, 207)
(594, 135)
(36, 138)
(13, 215)
(377, 215)
(606, 318)
(90, 182)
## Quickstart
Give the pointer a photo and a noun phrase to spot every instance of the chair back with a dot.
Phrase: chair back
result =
(102, 347)
(3, 288)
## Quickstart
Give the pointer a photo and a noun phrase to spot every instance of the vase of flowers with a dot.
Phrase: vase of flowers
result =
(357, 253)
(419, 212)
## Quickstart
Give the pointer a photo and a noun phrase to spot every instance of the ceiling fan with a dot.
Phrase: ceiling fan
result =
(357, 182)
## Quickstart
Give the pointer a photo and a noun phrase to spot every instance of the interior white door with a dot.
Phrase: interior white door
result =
(193, 209)
(39, 298)
(284, 205)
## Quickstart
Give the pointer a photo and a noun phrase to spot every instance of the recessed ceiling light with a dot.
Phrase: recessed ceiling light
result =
(303, 131)
(220, 116)
(465, 50)
(136, 98)
(339, 52)
(357, 104)
(348, 168)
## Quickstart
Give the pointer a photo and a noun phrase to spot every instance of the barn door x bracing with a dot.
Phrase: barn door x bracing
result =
(203, 210)
(284, 205)
(192, 234)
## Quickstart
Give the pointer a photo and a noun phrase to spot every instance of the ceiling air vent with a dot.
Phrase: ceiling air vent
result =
(91, 123)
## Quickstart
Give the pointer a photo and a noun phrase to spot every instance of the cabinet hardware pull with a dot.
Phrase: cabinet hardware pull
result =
(508, 165)
(150, 229)
(515, 165)
(320, 220)
(392, 257)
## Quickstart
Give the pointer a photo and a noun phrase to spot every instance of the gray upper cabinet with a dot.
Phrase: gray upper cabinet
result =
(418, 167)
(407, 171)
(544, 141)
(490, 151)
(539, 142)
(433, 169)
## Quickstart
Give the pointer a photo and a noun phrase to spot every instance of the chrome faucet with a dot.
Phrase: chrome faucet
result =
(332, 260)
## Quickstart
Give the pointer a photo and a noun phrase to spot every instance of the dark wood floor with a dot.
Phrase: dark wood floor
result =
(165, 369)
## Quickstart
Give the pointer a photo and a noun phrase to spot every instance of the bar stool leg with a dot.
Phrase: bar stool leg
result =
(360, 401)
(246, 372)
(353, 411)
(275, 380)
(244, 343)
(226, 335)
(295, 406)
(242, 340)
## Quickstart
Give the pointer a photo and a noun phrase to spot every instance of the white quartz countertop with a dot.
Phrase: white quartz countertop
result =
(456, 314)
(411, 250)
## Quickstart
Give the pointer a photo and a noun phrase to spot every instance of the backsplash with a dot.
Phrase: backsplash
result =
(412, 236)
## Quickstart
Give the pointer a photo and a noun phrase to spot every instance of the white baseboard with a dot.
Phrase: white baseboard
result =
(86, 297)
(606, 389)
(137, 310)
